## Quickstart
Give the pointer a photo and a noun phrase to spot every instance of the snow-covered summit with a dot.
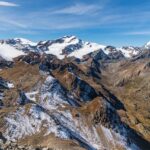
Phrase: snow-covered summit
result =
(70, 39)
(129, 51)
(70, 46)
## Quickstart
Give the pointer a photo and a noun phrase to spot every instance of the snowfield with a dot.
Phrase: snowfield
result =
(8, 52)
(76, 47)
(128, 53)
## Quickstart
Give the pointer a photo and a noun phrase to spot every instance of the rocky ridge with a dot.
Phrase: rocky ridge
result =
(89, 103)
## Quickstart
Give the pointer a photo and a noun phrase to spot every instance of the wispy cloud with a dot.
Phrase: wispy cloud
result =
(77, 9)
(11, 22)
(15, 23)
(138, 33)
(26, 32)
(74, 15)
(8, 4)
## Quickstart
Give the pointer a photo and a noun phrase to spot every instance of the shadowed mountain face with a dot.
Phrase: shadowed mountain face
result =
(98, 102)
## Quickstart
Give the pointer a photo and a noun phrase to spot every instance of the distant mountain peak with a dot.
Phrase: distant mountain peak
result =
(25, 41)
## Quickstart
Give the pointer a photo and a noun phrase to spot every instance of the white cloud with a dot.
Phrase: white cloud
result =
(78, 9)
(8, 4)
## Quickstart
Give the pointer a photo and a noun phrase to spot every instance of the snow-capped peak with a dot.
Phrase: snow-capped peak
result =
(68, 39)
(71, 39)
(25, 41)
(129, 51)
(70, 46)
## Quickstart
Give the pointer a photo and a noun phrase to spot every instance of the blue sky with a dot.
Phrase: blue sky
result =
(114, 22)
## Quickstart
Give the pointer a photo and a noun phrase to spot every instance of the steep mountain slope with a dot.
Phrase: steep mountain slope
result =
(129, 81)
(98, 102)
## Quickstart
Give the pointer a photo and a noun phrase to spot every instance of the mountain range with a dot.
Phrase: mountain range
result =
(65, 46)
(68, 94)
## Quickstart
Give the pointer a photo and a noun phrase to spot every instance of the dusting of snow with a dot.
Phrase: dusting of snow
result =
(45, 114)
(51, 94)
(20, 124)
